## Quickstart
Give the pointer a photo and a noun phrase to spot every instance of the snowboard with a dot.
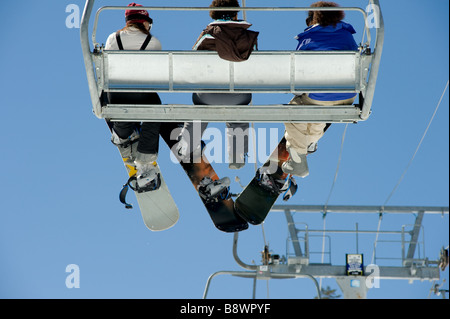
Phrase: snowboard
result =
(221, 208)
(256, 200)
(158, 209)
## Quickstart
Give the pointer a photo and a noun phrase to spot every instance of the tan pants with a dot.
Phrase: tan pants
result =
(300, 135)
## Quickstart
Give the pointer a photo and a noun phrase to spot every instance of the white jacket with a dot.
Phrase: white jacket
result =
(132, 39)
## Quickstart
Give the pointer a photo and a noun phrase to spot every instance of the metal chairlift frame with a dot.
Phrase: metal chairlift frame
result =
(301, 72)
(299, 266)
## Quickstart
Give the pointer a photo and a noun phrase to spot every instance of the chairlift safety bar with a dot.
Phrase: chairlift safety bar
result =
(260, 9)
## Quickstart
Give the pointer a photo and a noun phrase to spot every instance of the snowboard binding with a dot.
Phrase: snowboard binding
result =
(289, 188)
(277, 186)
(212, 191)
(141, 184)
(128, 146)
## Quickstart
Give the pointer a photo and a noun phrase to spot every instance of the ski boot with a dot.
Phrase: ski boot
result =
(211, 191)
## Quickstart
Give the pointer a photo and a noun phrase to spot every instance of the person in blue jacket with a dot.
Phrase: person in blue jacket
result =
(325, 32)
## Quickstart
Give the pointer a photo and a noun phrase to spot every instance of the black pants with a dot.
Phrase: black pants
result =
(149, 135)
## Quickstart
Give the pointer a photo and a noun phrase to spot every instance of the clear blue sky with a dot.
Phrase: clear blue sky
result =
(61, 175)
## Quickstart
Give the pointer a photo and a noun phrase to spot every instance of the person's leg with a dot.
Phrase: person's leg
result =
(237, 133)
(125, 135)
(123, 129)
(146, 152)
(190, 139)
(149, 136)
(237, 140)
(296, 135)
(191, 134)
(297, 142)
(300, 136)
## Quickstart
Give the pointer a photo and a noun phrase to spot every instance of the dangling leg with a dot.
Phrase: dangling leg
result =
(147, 149)
(237, 133)
(125, 135)
(190, 139)
(126, 138)
(297, 142)
(237, 138)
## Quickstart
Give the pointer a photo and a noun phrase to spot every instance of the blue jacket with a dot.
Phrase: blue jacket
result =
(329, 38)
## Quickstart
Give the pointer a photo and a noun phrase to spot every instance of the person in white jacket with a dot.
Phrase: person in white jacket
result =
(136, 36)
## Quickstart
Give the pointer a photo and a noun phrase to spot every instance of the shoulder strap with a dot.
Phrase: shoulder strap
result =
(119, 41)
(143, 47)
(146, 42)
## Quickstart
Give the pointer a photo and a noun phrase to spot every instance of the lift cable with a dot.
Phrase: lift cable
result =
(417, 149)
(406, 169)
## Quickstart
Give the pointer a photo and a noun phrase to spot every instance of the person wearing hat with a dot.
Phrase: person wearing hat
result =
(325, 32)
(136, 36)
(234, 42)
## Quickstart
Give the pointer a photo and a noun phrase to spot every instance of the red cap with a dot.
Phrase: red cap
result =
(137, 16)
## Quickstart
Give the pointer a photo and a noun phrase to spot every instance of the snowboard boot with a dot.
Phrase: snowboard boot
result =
(182, 149)
(289, 188)
(238, 161)
(211, 190)
(127, 146)
(312, 148)
(184, 154)
(147, 177)
(296, 164)
(266, 180)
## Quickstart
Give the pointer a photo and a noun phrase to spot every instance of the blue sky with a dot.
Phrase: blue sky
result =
(61, 175)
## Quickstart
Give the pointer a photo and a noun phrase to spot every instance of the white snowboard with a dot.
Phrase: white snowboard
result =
(158, 208)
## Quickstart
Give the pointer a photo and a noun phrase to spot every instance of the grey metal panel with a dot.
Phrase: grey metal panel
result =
(326, 70)
(264, 71)
(231, 113)
(270, 71)
(200, 71)
(137, 70)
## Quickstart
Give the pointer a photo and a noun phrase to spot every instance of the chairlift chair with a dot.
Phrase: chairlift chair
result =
(293, 72)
